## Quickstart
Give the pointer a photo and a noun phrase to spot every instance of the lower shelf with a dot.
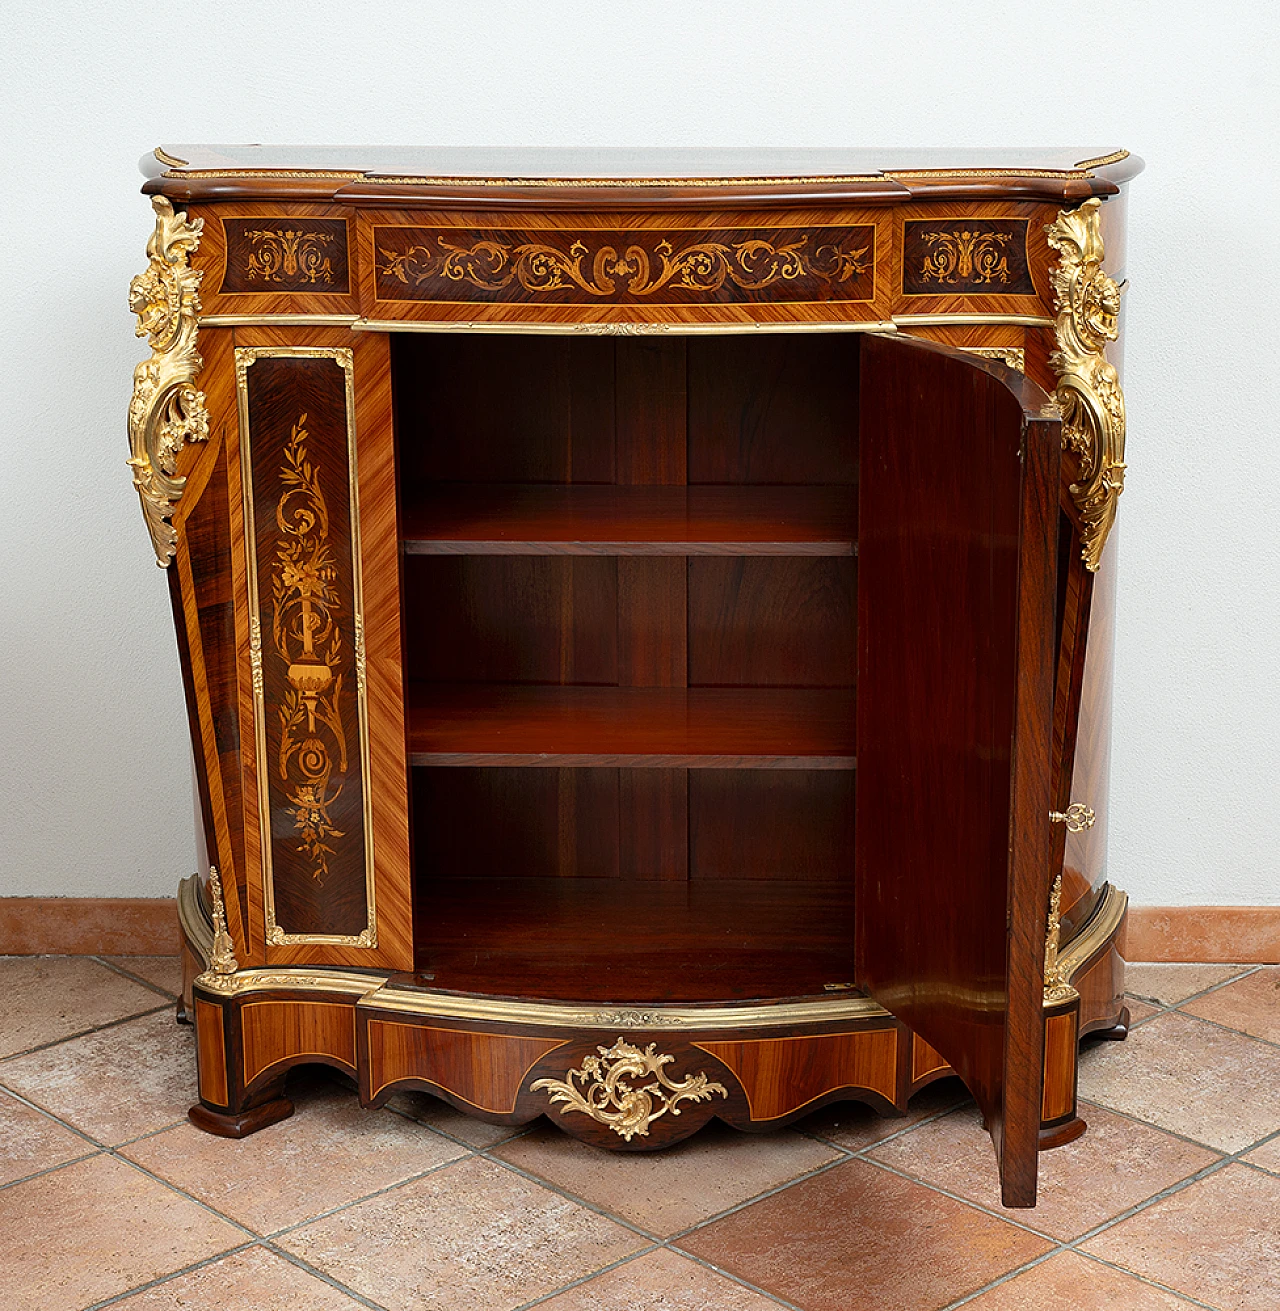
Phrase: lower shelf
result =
(587, 939)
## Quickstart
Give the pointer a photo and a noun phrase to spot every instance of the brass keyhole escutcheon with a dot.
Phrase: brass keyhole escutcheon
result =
(1077, 817)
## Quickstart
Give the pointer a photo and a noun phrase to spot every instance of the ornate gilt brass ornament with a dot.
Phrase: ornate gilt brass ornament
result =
(1057, 986)
(964, 256)
(703, 266)
(608, 1096)
(166, 411)
(1077, 817)
(289, 255)
(1014, 356)
(1087, 302)
(222, 960)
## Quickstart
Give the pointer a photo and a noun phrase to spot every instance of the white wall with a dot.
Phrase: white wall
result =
(94, 780)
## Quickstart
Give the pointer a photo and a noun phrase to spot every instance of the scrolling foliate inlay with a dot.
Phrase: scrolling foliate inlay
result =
(609, 1095)
(297, 255)
(1087, 302)
(962, 256)
(966, 257)
(312, 756)
(166, 411)
(626, 266)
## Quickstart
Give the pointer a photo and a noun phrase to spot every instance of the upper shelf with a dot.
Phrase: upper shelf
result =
(524, 519)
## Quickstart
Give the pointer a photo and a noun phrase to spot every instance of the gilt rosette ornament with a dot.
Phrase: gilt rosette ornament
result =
(166, 411)
(1088, 394)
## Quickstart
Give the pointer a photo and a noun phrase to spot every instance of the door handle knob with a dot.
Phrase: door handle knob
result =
(1077, 817)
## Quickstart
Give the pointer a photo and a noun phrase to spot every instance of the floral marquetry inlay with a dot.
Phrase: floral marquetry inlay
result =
(303, 254)
(626, 1088)
(312, 758)
(967, 257)
(634, 267)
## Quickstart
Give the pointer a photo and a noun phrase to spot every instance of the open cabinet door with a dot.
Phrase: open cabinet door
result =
(957, 549)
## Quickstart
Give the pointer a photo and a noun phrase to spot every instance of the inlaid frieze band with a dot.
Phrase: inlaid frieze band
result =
(623, 267)
(286, 254)
(311, 722)
(966, 257)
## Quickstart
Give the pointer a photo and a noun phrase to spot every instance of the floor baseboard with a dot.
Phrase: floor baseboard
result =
(88, 926)
(1236, 935)
(148, 926)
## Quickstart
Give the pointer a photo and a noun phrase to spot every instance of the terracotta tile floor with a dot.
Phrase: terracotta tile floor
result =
(109, 1198)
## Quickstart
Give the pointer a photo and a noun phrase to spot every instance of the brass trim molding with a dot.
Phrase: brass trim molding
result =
(1102, 926)
(344, 357)
(1114, 158)
(820, 1010)
(609, 1096)
(298, 980)
(617, 327)
(1088, 392)
(278, 320)
(941, 320)
(166, 411)
(193, 919)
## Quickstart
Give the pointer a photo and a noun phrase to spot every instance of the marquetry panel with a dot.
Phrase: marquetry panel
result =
(626, 269)
(976, 257)
(264, 257)
(307, 643)
(273, 1032)
(485, 1070)
(1059, 1096)
(286, 254)
(972, 258)
(211, 1053)
(781, 1075)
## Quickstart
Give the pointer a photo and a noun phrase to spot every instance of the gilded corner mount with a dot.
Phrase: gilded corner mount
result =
(1087, 302)
(166, 411)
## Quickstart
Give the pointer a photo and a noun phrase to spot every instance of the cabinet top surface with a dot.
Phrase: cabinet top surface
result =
(215, 171)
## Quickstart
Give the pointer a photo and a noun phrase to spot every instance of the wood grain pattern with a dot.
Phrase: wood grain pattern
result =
(462, 724)
(780, 1076)
(211, 1053)
(950, 915)
(486, 1071)
(283, 1031)
(1059, 1097)
(627, 941)
(925, 1060)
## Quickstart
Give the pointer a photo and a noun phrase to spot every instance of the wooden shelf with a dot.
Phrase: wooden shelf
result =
(525, 519)
(628, 940)
(628, 727)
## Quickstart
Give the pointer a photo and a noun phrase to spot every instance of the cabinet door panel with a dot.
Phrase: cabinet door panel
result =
(957, 547)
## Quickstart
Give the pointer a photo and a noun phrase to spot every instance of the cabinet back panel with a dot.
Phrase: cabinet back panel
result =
(504, 409)
(773, 409)
(772, 621)
(771, 824)
(511, 619)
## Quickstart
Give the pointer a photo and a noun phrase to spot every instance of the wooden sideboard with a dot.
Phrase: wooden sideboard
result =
(645, 620)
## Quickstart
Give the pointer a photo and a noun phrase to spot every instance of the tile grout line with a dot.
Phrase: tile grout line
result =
(583, 1279)
(164, 1279)
(315, 1271)
(83, 1033)
(136, 978)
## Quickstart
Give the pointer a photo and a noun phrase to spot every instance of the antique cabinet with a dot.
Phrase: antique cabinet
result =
(645, 619)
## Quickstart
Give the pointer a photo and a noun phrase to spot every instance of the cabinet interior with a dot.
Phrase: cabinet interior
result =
(630, 613)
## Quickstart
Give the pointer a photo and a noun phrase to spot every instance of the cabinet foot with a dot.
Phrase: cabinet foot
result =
(1118, 1032)
(180, 1012)
(226, 1124)
(1062, 1134)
